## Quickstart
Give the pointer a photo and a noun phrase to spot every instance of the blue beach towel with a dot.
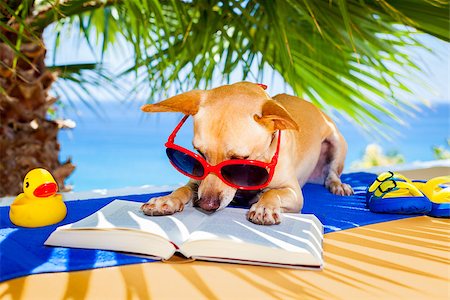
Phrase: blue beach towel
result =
(22, 251)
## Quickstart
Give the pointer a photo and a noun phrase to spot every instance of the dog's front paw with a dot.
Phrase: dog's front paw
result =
(161, 206)
(264, 215)
(339, 188)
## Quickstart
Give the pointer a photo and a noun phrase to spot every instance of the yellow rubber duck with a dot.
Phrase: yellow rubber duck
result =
(39, 204)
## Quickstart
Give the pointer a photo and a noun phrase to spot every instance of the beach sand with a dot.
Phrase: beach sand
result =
(418, 170)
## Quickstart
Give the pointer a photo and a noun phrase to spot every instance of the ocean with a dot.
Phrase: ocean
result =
(119, 146)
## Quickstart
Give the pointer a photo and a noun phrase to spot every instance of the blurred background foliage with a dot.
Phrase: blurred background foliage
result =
(442, 151)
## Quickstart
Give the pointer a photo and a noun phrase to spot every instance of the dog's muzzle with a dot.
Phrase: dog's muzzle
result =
(208, 204)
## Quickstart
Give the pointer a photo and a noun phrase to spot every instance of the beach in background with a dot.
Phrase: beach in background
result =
(117, 145)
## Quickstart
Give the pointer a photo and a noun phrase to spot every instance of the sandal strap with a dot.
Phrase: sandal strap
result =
(389, 175)
(400, 188)
(431, 187)
(443, 196)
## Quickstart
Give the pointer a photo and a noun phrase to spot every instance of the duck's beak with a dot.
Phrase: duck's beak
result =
(46, 190)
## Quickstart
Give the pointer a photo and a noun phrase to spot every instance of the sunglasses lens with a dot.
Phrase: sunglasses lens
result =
(185, 162)
(245, 175)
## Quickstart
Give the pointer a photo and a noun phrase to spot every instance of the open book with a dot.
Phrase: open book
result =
(225, 236)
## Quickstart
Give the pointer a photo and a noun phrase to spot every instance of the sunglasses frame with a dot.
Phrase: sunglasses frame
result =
(270, 166)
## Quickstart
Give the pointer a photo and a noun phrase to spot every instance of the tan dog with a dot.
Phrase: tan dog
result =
(240, 121)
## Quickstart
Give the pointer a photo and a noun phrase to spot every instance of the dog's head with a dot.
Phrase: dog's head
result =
(235, 121)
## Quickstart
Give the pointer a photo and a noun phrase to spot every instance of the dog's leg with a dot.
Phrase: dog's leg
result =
(335, 164)
(272, 203)
(172, 203)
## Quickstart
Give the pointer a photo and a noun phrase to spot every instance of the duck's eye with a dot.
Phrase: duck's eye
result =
(27, 184)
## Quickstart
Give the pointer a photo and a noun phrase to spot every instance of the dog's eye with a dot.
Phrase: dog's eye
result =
(201, 154)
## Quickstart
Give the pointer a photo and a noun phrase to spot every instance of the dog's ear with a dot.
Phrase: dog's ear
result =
(186, 103)
(275, 117)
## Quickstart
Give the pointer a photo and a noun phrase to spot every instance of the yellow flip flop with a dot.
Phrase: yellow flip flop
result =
(396, 196)
(438, 191)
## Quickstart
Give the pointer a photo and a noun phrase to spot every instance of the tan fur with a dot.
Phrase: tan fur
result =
(239, 121)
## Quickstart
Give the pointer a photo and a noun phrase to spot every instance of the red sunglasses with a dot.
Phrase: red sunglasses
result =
(238, 173)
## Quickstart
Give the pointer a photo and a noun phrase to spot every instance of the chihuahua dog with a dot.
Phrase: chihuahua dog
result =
(241, 131)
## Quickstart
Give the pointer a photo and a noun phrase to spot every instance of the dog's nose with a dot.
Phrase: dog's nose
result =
(209, 204)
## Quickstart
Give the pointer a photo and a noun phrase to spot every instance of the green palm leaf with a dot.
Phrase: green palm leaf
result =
(343, 54)
(79, 79)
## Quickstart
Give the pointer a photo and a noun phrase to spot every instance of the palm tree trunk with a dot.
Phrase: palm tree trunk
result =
(27, 138)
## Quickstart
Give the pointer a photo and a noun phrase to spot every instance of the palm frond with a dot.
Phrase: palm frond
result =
(75, 83)
(343, 54)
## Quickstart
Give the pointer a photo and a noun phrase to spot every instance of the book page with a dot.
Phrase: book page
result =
(296, 233)
(126, 215)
